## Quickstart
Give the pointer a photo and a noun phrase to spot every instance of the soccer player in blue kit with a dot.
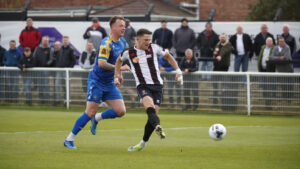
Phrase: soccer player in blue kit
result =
(100, 85)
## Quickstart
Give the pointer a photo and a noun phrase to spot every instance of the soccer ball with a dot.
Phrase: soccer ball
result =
(217, 132)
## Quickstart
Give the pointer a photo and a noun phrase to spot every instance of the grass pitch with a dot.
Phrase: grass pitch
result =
(32, 139)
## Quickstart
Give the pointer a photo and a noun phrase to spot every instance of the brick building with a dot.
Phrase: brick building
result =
(226, 10)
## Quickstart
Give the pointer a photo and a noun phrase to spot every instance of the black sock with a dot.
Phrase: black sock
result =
(148, 131)
(152, 117)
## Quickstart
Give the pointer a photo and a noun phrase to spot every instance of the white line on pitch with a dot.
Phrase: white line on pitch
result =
(119, 130)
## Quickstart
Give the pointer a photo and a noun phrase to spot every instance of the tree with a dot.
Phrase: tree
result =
(265, 10)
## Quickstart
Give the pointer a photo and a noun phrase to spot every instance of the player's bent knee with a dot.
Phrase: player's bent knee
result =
(121, 112)
(90, 113)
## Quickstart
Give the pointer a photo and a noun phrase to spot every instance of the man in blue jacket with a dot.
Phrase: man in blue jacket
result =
(11, 59)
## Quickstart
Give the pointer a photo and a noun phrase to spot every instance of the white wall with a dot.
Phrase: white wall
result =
(11, 29)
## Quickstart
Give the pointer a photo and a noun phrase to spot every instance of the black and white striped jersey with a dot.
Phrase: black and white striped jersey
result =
(144, 64)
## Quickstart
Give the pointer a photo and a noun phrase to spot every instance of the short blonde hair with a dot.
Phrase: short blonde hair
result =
(188, 50)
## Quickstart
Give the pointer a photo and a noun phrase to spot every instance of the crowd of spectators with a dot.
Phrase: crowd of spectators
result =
(214, 55)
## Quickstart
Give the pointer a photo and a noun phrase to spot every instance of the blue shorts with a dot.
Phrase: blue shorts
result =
(97, 91)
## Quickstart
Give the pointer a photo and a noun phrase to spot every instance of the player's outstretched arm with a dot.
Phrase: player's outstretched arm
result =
(117, 71)
(174, 64)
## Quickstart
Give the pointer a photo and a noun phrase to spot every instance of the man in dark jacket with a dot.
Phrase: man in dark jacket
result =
(206, 43)
(222, 53)
(184, 38)
(289, 39)
(27, 62)
(67, 57)
(2, 51)
(163, 36)
(64, 59)
(11, 59)
(242, 49)
(188, 65)
(43, 57)
(30, 36)
(95, 33)
(260, 39)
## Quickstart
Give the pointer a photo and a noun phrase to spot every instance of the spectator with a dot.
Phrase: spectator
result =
(206, 43)
(2, 87)
(163, 36)
(56, 52)
(222, 54)
(43, 57)
(188, 65)
(280, 54)
(165, 66)
(297, 57)
(27, 62)
(289, 39)
(264, 56)
(65, 59)
(95, 33)
(266, 82)
(87, 61)
(184, 38)
(242, 49)
(2, 51)
(260, 39)
(30, 36)
(129, 34)
(11, 59)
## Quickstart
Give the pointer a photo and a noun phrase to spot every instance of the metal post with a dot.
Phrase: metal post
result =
(197, 9)
(67, 88)
(248, 95)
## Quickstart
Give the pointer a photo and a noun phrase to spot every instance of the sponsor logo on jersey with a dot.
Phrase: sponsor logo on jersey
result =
(135, 60)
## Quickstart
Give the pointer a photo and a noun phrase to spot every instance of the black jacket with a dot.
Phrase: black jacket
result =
(163, 37)
(259, 41)
(43, 56)
(84, 57)
(207, 45)
(247, 44)
(2, 51)
(290, 40)
(193, 66)
(184, 38)
(65, 58)
(27, 61)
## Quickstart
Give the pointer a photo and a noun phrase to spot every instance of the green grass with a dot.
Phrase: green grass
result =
(32, 139)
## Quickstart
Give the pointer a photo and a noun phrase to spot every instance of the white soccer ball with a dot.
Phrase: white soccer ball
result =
(217, 132)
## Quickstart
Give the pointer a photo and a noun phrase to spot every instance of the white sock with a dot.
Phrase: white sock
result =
(143, 143)
(98, 116)
(71, 137)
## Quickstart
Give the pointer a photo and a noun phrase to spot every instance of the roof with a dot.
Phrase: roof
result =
(161, 10)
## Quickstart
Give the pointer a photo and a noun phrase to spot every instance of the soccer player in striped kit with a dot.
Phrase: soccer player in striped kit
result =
(143, 59)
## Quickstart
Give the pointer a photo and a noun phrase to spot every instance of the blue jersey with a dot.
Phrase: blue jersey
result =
(108, 51)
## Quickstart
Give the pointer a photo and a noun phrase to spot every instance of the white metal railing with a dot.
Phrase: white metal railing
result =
(224, 91)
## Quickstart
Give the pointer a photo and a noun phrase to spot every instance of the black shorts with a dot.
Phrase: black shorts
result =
(153, 90)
